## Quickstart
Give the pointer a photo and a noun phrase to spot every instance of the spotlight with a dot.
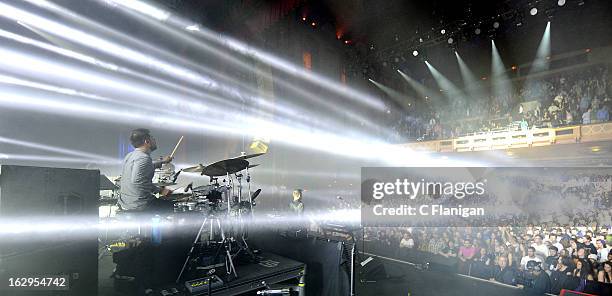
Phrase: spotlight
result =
(450, 40)
(533, 11)
(443, 31)
(421, 40)
(304, 18)
(561, 2)
(415, 53)
(477, 31)
(193, 28)
(313, 24)
(496, 25)
(514, 67)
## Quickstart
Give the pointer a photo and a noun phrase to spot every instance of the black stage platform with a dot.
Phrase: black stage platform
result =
(271, 269)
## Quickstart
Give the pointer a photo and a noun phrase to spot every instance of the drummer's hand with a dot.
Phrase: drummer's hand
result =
(165, 191)
(167, 159)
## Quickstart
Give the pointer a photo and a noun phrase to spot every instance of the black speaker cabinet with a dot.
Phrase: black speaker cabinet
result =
(52, 213)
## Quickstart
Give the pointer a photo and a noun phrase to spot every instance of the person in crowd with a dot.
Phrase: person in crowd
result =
(602, 250)
(450, 251)
(605, 274)
(504, 273)
(582, 270)
(588, 243)
(586, 116)
(466, 254)
(541, 280)
(482, 264)
(560, 276)
(602, 114)
(541, 249)
(531, 251)
(551, 261)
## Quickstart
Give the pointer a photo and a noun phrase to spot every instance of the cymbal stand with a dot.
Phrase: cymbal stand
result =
(225, 242)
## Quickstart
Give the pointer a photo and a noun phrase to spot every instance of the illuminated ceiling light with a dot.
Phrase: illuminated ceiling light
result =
(443, 31)
(415, 53)
(450, 40)
(496, 25)
(477, 31)
(194, 27)
(533, 11)
(561, 2)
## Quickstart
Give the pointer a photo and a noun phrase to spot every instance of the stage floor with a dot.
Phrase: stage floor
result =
(272, 269)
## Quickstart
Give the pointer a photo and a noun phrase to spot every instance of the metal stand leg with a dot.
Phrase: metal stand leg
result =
(229, 262)
(191, 250)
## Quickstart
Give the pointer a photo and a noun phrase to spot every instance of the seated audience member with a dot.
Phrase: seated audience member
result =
(530, 257)
(559, 278)
(504, 273)
(605, 274)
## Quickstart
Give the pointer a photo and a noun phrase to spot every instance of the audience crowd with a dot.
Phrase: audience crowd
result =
(569, 249)
(581, 96)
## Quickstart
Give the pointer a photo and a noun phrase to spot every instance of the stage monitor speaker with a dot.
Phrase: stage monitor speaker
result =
(34, 198)
(372, 269)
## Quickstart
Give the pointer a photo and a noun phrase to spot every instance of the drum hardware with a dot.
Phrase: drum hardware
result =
(212, 220)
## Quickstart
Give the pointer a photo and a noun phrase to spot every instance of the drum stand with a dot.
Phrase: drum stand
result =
(225, 242)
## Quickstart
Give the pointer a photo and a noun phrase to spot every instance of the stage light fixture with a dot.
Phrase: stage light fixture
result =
(313, 24)
(193, 27)
(496, 25)
(415, 53)
(450, 40)
(533, 11)
(443, 31)
(561, 2)
(304, 18)
(477, 31)
(421, 40)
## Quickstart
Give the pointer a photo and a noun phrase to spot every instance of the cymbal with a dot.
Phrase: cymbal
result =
(249, 156)
(224, 167)
(194, 169)
(253, 165)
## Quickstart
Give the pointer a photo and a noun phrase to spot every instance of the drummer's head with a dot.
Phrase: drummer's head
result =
(297, 195)
(141, 138)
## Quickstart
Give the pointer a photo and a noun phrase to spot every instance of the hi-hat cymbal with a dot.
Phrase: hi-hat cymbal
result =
(194, 169)
(224, 167)
(247, 156)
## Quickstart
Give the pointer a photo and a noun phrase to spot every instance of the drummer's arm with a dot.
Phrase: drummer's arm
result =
(158, 163)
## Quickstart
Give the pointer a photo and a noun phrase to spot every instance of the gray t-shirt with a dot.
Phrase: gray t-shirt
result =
(137, 187)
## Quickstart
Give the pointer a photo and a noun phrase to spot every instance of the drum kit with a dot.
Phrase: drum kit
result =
(223, 205)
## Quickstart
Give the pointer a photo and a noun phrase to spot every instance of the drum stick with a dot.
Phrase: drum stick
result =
(176, 147)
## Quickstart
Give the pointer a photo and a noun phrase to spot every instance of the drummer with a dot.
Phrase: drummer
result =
(137, 189)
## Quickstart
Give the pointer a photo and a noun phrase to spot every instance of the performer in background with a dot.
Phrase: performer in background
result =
(297, 206)
(137, 189)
